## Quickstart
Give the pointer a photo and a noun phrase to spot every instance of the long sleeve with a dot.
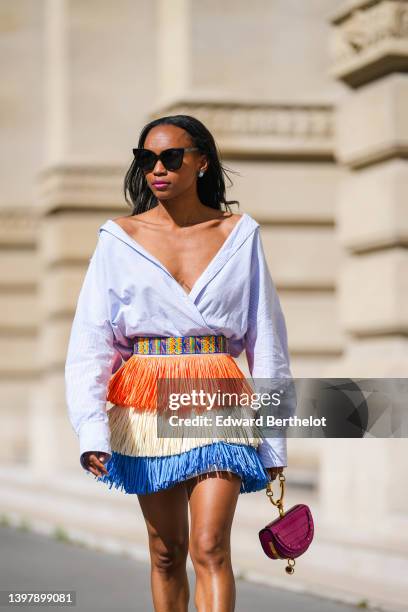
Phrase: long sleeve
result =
(266, 344)
(93, 354)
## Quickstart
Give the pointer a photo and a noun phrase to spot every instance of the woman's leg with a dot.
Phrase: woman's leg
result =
(213, 498)
(166, 517)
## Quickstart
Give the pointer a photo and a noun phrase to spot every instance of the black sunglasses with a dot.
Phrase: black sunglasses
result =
(171, 158)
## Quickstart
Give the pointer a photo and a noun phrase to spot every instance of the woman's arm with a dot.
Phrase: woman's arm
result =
(93, 354)
(266, 344)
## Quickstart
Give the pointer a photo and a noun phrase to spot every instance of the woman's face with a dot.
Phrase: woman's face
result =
(179, 181)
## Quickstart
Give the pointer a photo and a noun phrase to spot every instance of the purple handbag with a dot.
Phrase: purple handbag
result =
(289, 535)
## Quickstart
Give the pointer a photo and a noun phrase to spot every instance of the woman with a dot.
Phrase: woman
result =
(175, 291)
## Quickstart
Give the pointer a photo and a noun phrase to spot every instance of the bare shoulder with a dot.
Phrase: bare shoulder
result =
(119, 220)
(127, 221)
(231, 218)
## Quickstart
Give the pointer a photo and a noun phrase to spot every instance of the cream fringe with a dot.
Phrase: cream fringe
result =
(134, 433)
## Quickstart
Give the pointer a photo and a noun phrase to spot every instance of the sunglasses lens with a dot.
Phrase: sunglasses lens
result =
(145, 160)
(172, 158)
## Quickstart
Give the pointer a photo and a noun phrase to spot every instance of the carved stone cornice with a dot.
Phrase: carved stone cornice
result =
(369, 40)
(263, 130)
(68, 186)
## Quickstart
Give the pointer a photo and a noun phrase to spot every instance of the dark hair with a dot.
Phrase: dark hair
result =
(210, 188)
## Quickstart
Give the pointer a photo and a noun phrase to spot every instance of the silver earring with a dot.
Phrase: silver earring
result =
(201, 173)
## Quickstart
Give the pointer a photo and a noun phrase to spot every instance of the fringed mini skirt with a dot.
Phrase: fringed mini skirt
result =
(148, 453)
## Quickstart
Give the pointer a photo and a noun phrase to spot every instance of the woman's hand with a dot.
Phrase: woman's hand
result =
(93, 461)
(274, 471)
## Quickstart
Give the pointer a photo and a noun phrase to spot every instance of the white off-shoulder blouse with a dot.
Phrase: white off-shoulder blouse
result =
(128, 292)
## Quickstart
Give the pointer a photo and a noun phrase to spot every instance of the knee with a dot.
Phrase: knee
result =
(210, 550)
(168, 556)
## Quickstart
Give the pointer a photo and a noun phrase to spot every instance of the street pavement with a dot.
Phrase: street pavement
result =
(33, 562)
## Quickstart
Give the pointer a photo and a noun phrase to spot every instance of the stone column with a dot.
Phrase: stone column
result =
(370, 56)
(21, 128)
(19, 274)
(100, 75)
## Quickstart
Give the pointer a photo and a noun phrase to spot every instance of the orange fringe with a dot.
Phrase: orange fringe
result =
(134, 384)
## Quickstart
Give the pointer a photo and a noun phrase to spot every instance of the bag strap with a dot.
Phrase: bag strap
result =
(269, 493)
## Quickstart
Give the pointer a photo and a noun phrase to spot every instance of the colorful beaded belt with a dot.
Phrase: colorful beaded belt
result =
(180, 345)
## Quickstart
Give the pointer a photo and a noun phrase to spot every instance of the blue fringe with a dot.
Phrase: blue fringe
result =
(143, 475)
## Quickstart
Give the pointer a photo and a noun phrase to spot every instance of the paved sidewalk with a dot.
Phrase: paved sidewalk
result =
(102, 581)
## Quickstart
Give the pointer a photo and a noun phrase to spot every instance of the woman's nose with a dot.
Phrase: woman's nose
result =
(159, 167)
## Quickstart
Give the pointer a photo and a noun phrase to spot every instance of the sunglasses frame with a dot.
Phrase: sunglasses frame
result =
(157, 157)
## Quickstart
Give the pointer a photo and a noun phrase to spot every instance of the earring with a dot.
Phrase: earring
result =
(201, 173)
